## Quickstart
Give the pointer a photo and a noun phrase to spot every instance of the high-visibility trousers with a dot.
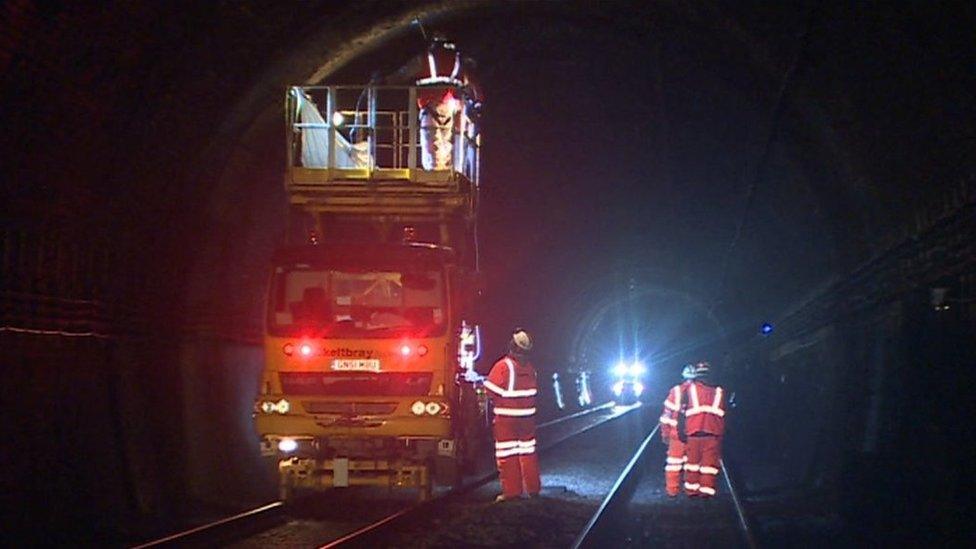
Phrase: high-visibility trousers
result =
(437, 136)
(673, 466)
(518, 465)
(701, 470)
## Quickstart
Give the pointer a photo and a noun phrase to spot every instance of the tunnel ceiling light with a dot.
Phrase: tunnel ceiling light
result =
(766, 328)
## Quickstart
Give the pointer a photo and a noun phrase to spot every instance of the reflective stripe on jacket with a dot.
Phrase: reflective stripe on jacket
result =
(669, 416)
(512, 388)
(704, 409)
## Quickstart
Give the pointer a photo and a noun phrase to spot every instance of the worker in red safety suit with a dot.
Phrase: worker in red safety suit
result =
(439, 102)
(676, 459)
(702, 423)
(511, 385)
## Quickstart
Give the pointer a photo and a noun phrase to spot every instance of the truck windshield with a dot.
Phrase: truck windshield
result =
(352, 304)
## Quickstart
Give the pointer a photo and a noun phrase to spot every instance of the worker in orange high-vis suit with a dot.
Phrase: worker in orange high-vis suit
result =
(512, 388)
(676, 459)
(439, 102)
(703, 408)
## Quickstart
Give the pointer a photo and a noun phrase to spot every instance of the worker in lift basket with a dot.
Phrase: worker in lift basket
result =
(701, 424)
(512, 388)
(439, 104)
(676, 459)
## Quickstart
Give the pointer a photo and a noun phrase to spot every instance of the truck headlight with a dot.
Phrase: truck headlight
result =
(282, 406)
(287, 445)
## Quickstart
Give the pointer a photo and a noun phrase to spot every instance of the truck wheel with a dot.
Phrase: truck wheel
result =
(286, 492)
(448, 471)
(426, 488)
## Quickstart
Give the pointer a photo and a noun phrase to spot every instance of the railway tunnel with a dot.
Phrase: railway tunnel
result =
(660, 181)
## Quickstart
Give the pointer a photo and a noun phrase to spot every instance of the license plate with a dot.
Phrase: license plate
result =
(360, 365)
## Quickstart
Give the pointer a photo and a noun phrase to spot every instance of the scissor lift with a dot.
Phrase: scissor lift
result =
(359, 159)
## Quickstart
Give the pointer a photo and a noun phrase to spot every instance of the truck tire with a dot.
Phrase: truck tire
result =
(426, 488)
(286, 492)
(448, 471)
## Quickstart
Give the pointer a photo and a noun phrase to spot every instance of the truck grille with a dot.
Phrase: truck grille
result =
(356, 383)
(350, 408)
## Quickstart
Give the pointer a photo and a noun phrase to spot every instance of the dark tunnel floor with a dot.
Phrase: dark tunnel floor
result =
(575, 476)
(682, 522)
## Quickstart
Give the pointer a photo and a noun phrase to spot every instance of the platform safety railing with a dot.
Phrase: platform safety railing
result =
(373, 129)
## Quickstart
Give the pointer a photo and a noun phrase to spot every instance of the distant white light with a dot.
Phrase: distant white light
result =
(637, 369)
(338, 119)
(620, 370)
(287, 445)
(638, 388)
(618, 388)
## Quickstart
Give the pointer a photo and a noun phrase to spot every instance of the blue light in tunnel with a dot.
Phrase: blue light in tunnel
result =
(766, 328)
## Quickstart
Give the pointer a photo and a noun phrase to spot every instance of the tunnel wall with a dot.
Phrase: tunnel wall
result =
(859, 401)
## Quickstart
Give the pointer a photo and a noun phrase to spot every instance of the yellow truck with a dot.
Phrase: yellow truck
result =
(370, 339)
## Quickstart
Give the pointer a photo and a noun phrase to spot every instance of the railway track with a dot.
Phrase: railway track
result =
(616, 523)
(268, 516)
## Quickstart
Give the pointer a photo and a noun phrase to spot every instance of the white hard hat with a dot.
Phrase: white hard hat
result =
(521, 341)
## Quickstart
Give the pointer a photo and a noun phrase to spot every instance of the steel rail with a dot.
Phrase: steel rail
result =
(270, 511)
(601, 521)
(576, 415)
(744, 524)
(601, 525)
(275, 510)
(372, 534)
